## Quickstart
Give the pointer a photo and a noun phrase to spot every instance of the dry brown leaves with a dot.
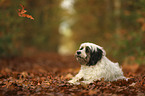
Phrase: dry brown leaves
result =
(21, 77)
(21, 13)
(142, 22)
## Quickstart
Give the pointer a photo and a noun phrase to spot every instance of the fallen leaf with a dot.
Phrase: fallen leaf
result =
(68, 76)
(92, 92)
(133, 84)
(21, 13)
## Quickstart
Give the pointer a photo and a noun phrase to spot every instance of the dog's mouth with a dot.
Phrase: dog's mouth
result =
(80, 59)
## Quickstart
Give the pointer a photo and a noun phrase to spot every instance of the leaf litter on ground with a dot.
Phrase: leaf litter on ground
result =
(22, 76)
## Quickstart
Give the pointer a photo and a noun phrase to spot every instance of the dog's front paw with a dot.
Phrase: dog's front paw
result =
(85, 82)
(73, 82)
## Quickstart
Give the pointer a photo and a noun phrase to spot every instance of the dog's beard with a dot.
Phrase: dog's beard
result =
(81, 60)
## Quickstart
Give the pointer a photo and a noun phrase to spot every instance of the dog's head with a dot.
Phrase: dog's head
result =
(89, 54)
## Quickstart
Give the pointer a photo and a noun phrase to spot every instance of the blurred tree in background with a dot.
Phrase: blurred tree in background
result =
(130, 38)
(45, 27)
(116, 25)
(10, 25)
(17, 33)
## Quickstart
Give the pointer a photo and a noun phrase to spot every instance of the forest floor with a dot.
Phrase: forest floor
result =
(47, 74)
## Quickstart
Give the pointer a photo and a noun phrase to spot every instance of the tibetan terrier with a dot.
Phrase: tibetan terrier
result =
(95, 65)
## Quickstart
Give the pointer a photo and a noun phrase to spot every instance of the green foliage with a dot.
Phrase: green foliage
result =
(114, 27)
(9, 26)
(17, 32)
(118, 26)
(130, 42)
(7, 46)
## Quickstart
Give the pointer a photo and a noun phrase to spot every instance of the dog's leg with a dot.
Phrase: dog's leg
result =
(87, 82)
(75, 80)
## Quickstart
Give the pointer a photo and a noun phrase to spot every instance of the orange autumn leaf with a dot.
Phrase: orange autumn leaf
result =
(143, 27)
(140, 20)
(28, 16)
(21, 13)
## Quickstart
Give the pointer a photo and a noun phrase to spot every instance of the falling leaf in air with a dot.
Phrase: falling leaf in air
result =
(21, 13)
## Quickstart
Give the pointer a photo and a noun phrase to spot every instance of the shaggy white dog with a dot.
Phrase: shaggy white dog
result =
(95, 65)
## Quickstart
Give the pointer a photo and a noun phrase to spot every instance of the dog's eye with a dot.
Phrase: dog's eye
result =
(87, 50)
(81, 48)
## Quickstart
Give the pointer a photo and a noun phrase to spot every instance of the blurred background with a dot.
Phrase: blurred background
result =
(60, 26)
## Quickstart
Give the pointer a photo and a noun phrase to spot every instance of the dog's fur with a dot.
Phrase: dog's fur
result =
(95, 65)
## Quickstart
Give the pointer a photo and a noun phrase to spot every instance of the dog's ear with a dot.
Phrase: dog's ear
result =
(95, 56)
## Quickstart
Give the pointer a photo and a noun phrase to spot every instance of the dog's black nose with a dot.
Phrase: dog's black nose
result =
(78, 52)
